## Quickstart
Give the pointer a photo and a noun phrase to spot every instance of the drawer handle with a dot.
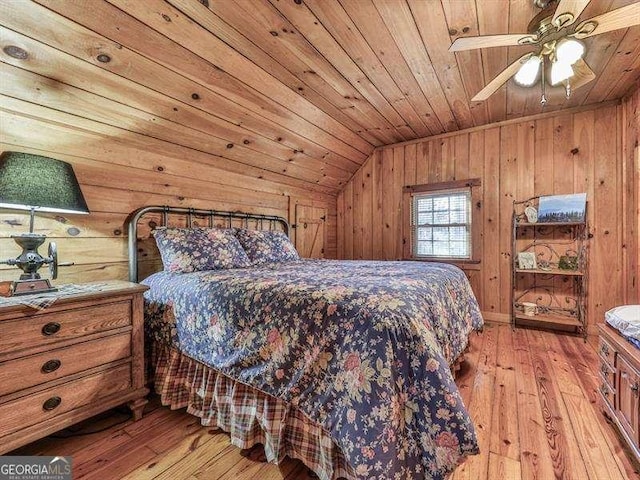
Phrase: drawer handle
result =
(51, 366)
(604, 389)
(634, 388)
(51, 403)
(604, 350)
(604, 369)
(50, 328)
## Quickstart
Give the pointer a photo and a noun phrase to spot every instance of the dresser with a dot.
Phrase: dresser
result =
(620, 384)
(80, 356)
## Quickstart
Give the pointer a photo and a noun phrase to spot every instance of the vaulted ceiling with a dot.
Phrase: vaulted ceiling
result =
(301, 90)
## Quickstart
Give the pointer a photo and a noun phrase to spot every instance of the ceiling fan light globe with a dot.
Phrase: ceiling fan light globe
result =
(569, 51)
(560, 71)
(527, 74)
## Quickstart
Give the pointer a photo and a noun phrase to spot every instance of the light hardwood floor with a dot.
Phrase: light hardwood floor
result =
(532, 396)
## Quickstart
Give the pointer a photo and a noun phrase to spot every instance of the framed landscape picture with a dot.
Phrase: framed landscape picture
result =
(562, 208)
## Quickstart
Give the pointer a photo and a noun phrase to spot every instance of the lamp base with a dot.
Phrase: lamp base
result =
(29, 261)
(26, 287)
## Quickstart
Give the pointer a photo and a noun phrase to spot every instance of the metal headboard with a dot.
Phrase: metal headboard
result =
(165, 211)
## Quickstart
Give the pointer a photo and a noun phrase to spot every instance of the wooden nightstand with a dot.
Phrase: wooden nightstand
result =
(79, 357)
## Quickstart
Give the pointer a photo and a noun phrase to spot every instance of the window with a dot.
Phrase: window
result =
(441, 224)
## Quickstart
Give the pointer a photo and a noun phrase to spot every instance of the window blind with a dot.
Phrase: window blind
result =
(441, 224)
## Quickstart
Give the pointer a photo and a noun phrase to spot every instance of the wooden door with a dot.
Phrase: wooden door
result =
(627, 411)
(310, 231)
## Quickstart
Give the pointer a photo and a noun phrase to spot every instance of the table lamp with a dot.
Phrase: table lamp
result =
(33, 182)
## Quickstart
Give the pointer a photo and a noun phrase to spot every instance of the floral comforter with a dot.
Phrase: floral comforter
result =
(361, 347)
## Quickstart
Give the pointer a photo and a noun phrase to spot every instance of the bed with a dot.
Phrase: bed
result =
(345, 365)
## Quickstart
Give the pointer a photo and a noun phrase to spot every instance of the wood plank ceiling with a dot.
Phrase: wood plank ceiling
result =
(297, 92)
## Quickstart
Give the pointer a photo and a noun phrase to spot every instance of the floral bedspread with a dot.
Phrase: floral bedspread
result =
(361, 347)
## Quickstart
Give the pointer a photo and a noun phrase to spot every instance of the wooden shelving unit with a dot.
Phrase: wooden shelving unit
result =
(552, 319)
(552, 271)
(559, 294)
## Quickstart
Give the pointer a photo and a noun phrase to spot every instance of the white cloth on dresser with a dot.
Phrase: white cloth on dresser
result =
(40, 301)
(625, 319)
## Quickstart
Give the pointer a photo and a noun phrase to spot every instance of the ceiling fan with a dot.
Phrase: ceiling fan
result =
(556, 41)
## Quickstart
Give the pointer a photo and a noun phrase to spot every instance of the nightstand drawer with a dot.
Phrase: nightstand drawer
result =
(54, 364)
(49, 403)
(47, 328)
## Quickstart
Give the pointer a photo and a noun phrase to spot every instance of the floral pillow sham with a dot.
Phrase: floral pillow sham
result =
(263, 246)
(185, 250)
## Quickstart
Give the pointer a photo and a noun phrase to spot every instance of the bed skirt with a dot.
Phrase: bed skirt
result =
(248, 415)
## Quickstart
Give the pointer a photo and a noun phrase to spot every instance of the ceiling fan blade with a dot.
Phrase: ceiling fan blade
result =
(622, 17)
(497, 82)
(568, 12)
(582, 74)
(486, 41)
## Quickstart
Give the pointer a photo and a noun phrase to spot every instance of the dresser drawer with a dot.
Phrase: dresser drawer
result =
(49, 403)
(607, 352)
(607, 373)
(607, 394)
(47, 328)
(25, 372)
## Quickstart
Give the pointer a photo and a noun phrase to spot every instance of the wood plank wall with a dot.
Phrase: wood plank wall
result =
(558, 153)
(631, 195)
(155, 109)
(119, 173)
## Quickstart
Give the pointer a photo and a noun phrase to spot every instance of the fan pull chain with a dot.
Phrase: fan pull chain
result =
(543, 100)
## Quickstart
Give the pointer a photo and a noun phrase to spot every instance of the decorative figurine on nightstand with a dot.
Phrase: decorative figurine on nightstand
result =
(33, 182)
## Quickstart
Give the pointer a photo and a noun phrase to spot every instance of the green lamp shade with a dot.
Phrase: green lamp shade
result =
(33, 181)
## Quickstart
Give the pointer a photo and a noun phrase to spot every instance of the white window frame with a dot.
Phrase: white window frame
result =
(468, 224)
